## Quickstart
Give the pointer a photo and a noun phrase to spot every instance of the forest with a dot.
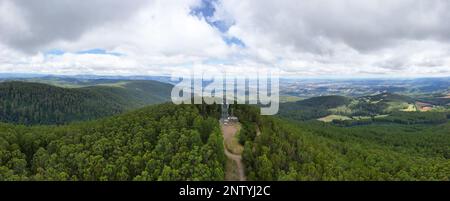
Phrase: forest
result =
(293, 150)
(167, 142)
(312, 108)
(164, 142)
(35, 103)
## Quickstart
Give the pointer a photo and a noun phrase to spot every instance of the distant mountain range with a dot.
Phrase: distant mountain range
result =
(77, 78)
(363, 87)
(299, 87)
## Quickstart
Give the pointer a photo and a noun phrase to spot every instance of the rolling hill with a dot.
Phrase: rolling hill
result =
(312, 108)
(36, 103)
(328, 108)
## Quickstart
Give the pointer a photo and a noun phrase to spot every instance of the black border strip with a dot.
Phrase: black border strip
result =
(275, 191)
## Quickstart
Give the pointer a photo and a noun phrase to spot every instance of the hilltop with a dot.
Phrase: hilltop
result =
(37, 103)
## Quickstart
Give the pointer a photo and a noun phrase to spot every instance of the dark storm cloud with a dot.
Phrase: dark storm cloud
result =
(46, 21)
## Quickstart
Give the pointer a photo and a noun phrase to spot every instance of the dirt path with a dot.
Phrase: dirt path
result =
(234, 171)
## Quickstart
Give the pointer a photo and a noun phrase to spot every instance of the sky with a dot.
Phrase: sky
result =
(308, 38)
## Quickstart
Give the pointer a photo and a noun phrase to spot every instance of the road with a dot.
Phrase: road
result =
(229, 131)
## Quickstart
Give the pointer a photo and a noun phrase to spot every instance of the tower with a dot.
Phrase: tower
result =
(224, 108)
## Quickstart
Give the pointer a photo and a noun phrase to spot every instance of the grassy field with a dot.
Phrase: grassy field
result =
(120, 84)
(440, 109)
(361, 117)
(381, 116)
(400, 106)
(285, 99)
(332, 117)
(410, 108)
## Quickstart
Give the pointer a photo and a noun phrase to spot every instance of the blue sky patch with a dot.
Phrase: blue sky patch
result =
(98, 51)
(233, 40)
(206, 11)
(59, 52)
(54, 52)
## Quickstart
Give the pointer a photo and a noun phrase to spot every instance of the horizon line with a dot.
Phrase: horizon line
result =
(285, 77)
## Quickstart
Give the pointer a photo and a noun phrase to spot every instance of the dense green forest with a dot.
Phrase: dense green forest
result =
(184, 142)
(34, 103)
(312, 108)
(164, 142)
(292, 150)
(169, 142)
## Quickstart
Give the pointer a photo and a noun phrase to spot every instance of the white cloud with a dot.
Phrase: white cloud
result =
(352, 37)
(159, 36)
(303, 38)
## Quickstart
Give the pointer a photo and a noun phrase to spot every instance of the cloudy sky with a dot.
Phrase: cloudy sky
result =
(301, 37)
